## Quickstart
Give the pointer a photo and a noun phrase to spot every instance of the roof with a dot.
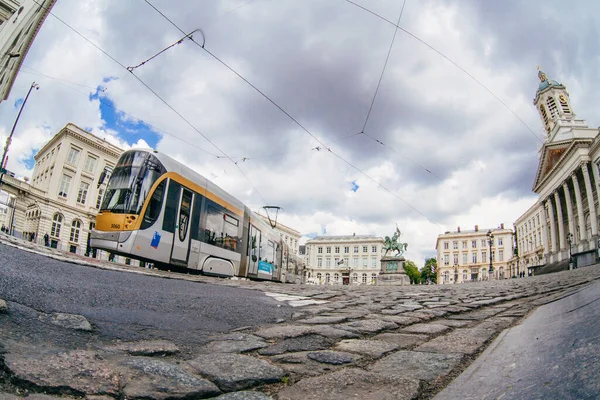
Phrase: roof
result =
(344, 238)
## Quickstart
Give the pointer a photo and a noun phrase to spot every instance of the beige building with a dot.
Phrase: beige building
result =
(464, 256)
(20, 21)
(347, 260)
(62, 198)
(567, 182)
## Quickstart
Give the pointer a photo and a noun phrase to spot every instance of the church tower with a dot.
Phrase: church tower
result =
(554, 106)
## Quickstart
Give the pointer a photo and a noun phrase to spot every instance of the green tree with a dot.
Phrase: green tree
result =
(412, 271)
(427, 273)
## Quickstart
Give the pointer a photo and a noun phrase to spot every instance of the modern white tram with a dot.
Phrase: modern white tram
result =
(158, 210)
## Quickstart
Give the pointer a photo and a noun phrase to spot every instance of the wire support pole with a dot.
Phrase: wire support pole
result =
(9, 139)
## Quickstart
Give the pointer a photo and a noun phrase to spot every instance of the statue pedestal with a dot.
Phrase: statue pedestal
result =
(392, 272)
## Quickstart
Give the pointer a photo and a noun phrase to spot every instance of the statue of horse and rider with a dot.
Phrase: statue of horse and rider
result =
(392, 244)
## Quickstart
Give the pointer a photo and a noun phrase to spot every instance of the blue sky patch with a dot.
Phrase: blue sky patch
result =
(128, 129)
(354, 186)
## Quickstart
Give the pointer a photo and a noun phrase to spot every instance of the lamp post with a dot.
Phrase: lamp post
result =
(9, 140)
(570, 241)
(490, 236)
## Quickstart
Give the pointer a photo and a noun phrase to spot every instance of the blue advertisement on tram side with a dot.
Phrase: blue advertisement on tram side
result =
(265, 267)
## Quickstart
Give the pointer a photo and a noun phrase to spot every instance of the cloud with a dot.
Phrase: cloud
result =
(438, 149)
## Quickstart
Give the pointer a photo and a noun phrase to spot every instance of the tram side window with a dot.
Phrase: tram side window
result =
(221, 229)
(171, 206)
(154, 206)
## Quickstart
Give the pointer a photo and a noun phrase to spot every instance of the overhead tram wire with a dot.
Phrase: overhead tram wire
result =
(153, 92)
(291, 117)
(453, 63)
(107, 104)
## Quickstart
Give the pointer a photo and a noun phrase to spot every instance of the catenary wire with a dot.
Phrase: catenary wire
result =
(453, 63)
(155, 93)
(290, 116)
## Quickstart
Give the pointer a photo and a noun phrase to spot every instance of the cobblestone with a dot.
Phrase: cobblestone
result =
(366, 342)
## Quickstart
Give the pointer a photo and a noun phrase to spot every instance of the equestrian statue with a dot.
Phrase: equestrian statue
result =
(392, 244)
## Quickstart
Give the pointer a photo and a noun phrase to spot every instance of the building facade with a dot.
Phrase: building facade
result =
(530, 237)
(343, 260)
(20, 21)
(566, 181)
(290, 236)
(63, 197)
(464, 256)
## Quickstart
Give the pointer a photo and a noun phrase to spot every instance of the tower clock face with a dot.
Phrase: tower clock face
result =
(562, 98)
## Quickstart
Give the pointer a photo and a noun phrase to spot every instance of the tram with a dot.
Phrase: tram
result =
(158, 210)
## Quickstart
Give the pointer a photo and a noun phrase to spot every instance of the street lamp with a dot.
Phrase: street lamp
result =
(9, 140)
(570, 241)
(490, 236)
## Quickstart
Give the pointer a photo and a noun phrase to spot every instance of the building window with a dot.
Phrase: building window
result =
(63, 190)
(354, 278)
(73, 156)
(552, 107)
(346, 261)
(373, 278)
(337, 249)
(465, 258)
(328, 249)
(82, 194)
(364, 278)
(465, 276)
(483, 273)
(483, 244)
(500, 240)
(364, 262)
(319, 262)
(455, 258)
(474, 258)
(446, 259)
(56, 225)
(455, 245)
(446, 277)
(90, 164)
(356, 261)
(320, 250)
(356, 249)
(493, 255)
(327, 278)
(373, 249)
(464, 244)
(346, 249)
(99, 199)
(445, 245)
(374, 262)
(328, 262)
(336, 277)
(75, 227)
(365, 249)
(483, 256)
(319, 277)
(500, 255)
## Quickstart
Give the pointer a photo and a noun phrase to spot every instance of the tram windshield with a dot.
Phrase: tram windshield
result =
(130, 182)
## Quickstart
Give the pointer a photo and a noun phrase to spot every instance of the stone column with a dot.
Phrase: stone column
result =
(582, 230)
(545, 228)
(569, 207)
(553, 240)
(560, 219)
(590, 199)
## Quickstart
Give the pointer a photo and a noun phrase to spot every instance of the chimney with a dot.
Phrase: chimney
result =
(502, 225)
(476, 228)
(458, 229)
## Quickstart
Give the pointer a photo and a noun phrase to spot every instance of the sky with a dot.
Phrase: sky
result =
(286, 104)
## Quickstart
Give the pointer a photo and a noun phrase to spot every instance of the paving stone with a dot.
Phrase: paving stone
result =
(324, 320)
(232, 372)
(162, 380)
(368, 326)
(416, 365)
(454, 323)
(476, 315)
(146, 348)
(71, 321)
(399, 319)
(462, 340)
(435, 312)
(3, 306)
(496, 324)
(302, 343)
(351, 383)
(290, 331)
(245, 395)
(429, 329)
(249, 343)
(423, 316)
(373, 348)
(408, 307)
(81, 370)
(403, 340)
(332, 357)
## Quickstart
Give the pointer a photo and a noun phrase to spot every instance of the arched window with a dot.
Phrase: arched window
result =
(336, 277)
(446, 276)
(364, 278)
(319, 276)
(327, 278)
(355, 277)
(483, 273)
(373, 278)
(75, 227)
(465, 276)
(56, 225)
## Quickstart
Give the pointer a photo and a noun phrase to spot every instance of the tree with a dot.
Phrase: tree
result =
(412, 271)
(429, 271)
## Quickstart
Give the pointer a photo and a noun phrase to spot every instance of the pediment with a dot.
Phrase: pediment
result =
(553, 155)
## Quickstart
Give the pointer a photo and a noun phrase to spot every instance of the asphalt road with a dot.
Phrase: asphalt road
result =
(127, 306)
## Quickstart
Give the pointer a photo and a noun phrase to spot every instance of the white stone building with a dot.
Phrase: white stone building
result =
(531, 235)
(290, 236)
(347, 260)
(20, 21)
(464, 256)
(567, 182)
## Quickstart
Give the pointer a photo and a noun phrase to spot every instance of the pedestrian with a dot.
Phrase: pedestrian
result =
(3, 228)
(46, 240)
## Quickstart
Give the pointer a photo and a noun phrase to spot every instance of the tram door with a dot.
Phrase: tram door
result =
(181, 238)
(253, 250)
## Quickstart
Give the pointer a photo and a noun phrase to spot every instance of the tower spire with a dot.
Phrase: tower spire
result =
(542, 75)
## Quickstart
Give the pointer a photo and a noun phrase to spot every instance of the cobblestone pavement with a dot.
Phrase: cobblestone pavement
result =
(363, 342)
